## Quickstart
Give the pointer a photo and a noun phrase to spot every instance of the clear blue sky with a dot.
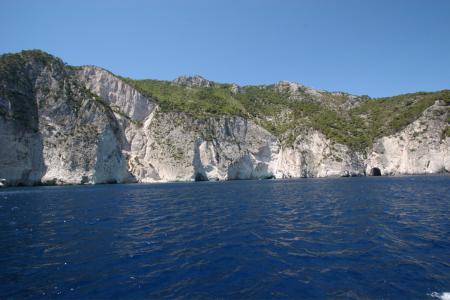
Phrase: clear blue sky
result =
(378, 47)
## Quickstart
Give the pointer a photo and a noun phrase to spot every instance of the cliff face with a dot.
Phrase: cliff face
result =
(65, 125)
(421, 148)
(54, 130)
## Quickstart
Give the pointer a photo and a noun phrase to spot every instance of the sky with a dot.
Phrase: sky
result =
(376, 48)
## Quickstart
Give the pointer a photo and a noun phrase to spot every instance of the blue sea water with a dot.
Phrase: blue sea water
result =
(350, 238)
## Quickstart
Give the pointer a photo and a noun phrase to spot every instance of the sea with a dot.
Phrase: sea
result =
(329, 238)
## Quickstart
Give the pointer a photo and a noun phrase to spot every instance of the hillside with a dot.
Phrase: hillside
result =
(285, 108)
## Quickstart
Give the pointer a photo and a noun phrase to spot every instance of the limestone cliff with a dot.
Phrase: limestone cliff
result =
(54, 130)
(421, 148)
(72, 125)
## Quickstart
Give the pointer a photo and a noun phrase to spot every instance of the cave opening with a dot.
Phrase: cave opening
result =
(375, 172)
(200, 177)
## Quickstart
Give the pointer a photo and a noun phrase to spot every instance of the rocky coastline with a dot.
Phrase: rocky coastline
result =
(84, 125)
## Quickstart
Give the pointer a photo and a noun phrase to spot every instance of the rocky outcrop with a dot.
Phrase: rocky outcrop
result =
(336, 100)
(193, 81)
(64, 125)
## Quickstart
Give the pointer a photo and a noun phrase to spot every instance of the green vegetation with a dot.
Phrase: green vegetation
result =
(199, 102)
(273, 109)
(389, 115)
(10, 63)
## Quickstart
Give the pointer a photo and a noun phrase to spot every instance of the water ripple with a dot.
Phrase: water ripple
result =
(346, 238)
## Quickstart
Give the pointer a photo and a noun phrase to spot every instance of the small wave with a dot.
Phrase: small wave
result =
(442, 296)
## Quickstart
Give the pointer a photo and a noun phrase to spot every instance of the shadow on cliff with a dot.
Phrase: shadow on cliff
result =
(199, 170)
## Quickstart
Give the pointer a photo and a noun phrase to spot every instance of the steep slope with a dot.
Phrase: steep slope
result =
(62, 124)
(52, 129)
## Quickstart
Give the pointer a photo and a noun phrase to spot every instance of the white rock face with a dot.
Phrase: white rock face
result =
(176, 147)
(117, 93)
(421, 148)
(313, 155)
(74, 137)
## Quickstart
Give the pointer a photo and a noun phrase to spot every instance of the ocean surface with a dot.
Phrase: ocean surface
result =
(350, 238)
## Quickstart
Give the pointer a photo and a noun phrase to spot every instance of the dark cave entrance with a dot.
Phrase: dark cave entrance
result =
(375, 172)
(200, 177)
